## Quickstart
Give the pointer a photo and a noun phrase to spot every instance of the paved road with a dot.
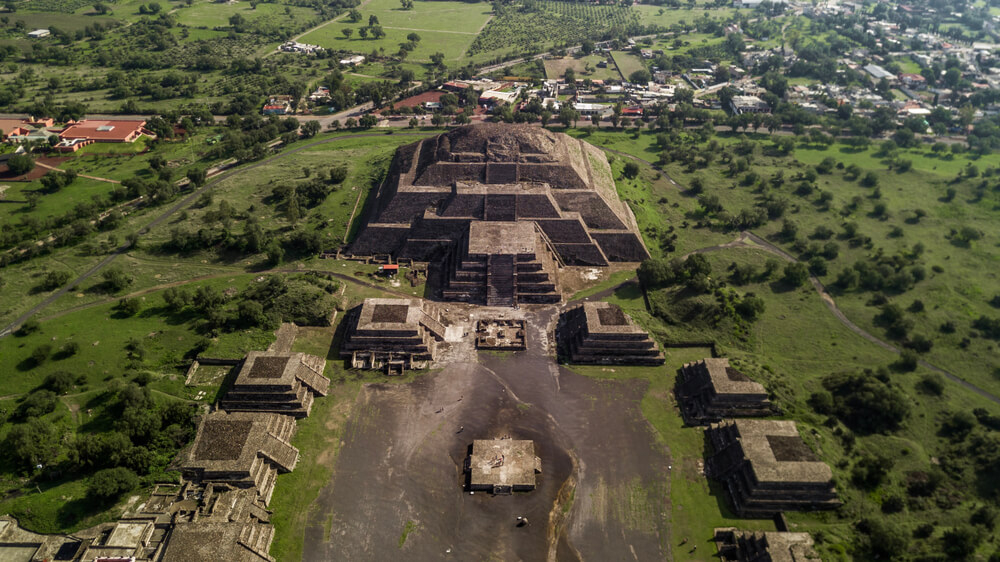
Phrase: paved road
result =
(169, 212)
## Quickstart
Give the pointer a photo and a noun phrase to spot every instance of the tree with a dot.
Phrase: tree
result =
(32, 443)
(108, 484)
(354, 15)
(631, 170)
(311, 129)
(347, 31)
(587, 47)
(116, 279)
(20, 164)
(870, 179)
(796, 274)
(407, 4)
(55, 279)
(363, 32)
(640, 76)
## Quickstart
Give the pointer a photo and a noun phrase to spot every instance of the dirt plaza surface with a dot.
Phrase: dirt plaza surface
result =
(398, 488)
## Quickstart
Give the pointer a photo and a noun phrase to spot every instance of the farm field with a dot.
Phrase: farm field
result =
(660, 15)
(446, 27)
(209, 14)
(556, 68)
(627, 63)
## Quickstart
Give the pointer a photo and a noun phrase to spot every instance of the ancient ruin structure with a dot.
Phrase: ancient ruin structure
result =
(710, 390)
(280, 383)
(767, 468)
(503, 207)
(500, 264)
(501, 334)
(502, 466)
(219, 510)
(752, 546)
(242, 450)
(600, 333)
(392, 334)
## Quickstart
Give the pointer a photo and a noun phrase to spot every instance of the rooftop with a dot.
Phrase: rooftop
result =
(777, 453)
(503, 462)
(606, 318)
(384, 313)
(494, 237)
(727, 380)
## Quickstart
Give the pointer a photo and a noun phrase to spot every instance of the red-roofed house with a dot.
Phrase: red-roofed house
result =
(912, 80)
(632, 112)
(104, 131)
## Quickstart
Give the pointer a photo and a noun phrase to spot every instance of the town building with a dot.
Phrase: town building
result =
(105, 130)
(710, 390)
(39, 33)
(748, 104)
(767, 468)
(392, 334)
(278, 383)
(502, 466)
(601, 333)
(353, 60)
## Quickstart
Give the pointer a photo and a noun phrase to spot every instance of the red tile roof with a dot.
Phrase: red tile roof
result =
(114, 131)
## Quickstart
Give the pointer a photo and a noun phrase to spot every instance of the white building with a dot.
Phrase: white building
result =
(39, 33)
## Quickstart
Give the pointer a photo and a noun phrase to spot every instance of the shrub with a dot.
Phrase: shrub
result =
(59, 382)
(38, 403)
(108, 484)
(892, 504)
(41, 353)
(29, 326)
(866, 403)
(871, 471)
(796, 274)
(20, 164)
(55, 279)
(115, 279)
(932, 384)
(961, 542)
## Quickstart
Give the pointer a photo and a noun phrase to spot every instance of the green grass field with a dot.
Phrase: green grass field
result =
(556, 68)
(445, 27)
(627, 63)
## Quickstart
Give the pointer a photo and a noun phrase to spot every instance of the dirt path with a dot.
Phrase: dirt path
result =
(53, 168)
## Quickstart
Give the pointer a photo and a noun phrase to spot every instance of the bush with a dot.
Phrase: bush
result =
(128, 307)
(29, 326)
(115, 279)
(882, 539)
(931, 384)
(108, 484)
(866, 403)
(59, 382)
(55, 279)
(36, 404)
(893, 504)
(871, 471)
(796, 274)
(41, 353)
(961, 542)
(20, 164)
(631, 170)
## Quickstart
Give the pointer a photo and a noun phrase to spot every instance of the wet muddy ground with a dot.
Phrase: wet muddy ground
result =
(398, 486)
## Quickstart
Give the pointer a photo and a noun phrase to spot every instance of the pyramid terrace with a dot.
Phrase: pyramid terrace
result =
(767, 468)
(710, 389)
(279, 383)
(392, 334)
(600, 333)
